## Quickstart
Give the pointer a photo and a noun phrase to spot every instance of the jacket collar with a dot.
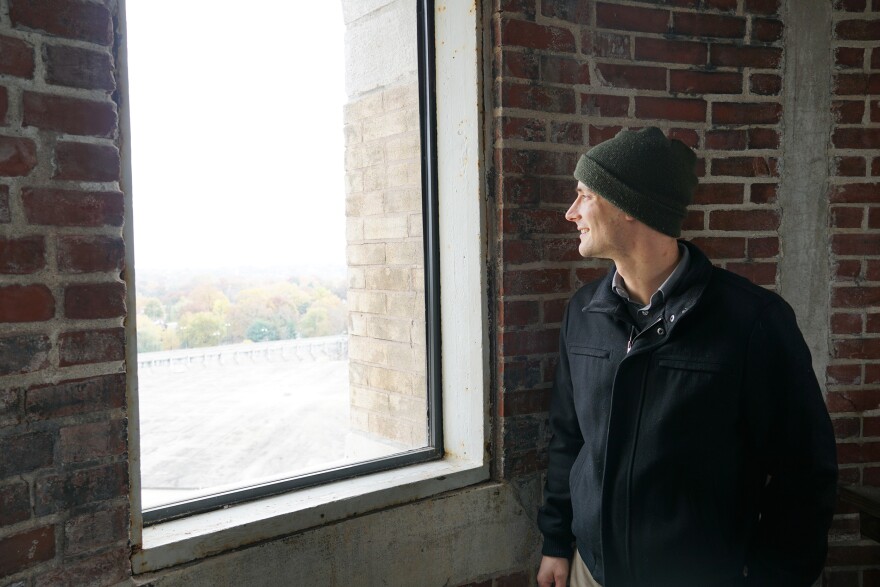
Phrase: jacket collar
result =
(681, 300)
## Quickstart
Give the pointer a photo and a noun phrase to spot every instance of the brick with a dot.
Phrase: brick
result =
(72, 19)
(15, 503)
(4, 104)
(94, 300)
(722, 247)
(765, 84)
(531, 222)
(108, 568)
(553, 311)
(746, 113)
(849, 57)
(745, 56)
(569, 133)
(10, 408)
(631, 76)
(535, 36)
(631, 18)
(855, 244)
(708, 25)
(605, 44)
(18, 57)
(744, 166)
(681, 109)
(5, 212)
(862, 452)
(26, 549)
(21, 256)
(726, 140)
(588, 275)
(24, 353)
(524, 129)
(557, 191)
(26, 303)
(763, 138)
(846, 217)
(69, 115)
(845, 270)
(604, 106)
(519, 313)
(875, 58)
(856, 84)
(724, 5)
(758, 273)
(564, 70)
(525, 463)
(535, 281)
(539, 98)
(521, 579)
(846, 324)
(95, 530)
(572, 10)
(874, 218)
(850, 166)
(762, 248)
(559, 250)
(752, 220)
(72, 208)
(18, 156)
(525, 7)
(848, 111)
(518, 252)
(519, 64)
(79, 68)
(66, 491)
(688, 136)
(86, 162)
(538, 162)
(522, 403)
(704, 82)
(768, 7)
(26, 453)
(91, 346)
(96, 394)
(89, 442)
(719, 193)
(856, 138)
(850, 5)
(767, 30)
(529, 342)
(858, 30)
(846, 427)
(844, 374)
(90, 254)
(694, 220)
(860, 400)
(856, 193)
(875, 111)
(521, 191)
(667, 51)
(872, 324)
(599, 134)
(855, 297)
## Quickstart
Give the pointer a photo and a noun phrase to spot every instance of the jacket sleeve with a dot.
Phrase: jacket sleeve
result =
(555, 517)
(791, 434)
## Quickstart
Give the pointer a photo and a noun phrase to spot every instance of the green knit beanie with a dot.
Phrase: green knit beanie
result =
(645, 174)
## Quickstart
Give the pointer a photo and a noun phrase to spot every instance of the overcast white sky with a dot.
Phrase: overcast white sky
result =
(237, 142)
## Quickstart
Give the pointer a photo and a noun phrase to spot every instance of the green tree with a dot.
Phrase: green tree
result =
(201, 329)
(149, 335)
(154, 309)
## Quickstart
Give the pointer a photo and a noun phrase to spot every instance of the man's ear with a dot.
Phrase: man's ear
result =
(629, 218)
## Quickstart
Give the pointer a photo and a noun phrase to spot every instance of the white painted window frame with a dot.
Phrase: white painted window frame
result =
(464, 335)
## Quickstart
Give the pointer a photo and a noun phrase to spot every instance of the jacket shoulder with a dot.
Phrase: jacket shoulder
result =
(744, 291)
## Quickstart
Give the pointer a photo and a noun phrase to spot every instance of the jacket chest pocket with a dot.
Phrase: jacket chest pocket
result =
(592, 375)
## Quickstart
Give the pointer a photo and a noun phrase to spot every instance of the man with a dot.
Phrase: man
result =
(691, 445)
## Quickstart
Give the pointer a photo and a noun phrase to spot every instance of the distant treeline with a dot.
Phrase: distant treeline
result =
(209, 311)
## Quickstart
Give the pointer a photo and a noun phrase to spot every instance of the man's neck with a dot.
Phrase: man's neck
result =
(645, 268)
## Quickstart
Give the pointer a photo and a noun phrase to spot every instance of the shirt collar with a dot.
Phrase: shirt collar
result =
(665, 289)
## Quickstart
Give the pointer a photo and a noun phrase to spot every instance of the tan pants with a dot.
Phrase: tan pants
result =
(580, 574)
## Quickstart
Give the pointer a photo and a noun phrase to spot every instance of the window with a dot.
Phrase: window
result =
(458, 252)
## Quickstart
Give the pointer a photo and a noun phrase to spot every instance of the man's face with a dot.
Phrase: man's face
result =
(602, 226)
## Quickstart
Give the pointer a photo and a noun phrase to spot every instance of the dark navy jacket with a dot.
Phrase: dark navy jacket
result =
(705, 455)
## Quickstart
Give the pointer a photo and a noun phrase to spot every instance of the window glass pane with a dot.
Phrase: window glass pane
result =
(279, 243)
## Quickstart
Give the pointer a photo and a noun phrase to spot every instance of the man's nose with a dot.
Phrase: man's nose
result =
(572, 214)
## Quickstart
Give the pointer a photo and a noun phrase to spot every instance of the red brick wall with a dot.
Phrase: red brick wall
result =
(63, 469)
(853, 375)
